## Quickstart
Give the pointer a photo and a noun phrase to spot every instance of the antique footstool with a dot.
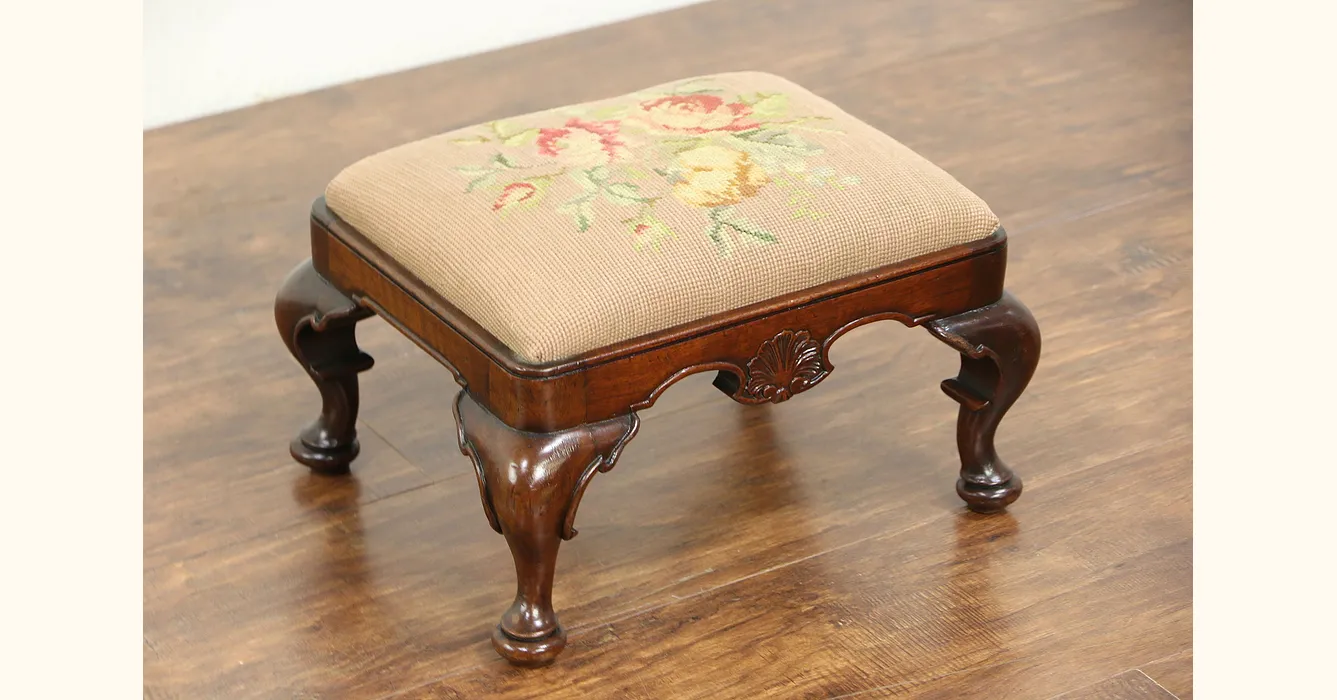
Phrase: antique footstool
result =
(568, 266)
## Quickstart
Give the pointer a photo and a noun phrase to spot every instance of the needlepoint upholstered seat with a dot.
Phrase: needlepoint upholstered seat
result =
(576, 228)
(567, 266)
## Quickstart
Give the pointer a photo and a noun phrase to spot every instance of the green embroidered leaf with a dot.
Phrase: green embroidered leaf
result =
(624, 193)
(716, 231)
(771, 106)
(694, 87)
(775, 138)
(775, 150)
(472, 170)
(820, 176)
(799, 198)
(608, 112)
(504, 161)
(546, 180)
(481, 181)
(676, 146)
(803, 124)
(581, 211)
(728, 217)
(720, 242)
(586, 181)
(500, 128)
(598, 173)
(849, 180)
(471, 140)
(646, 95)
(522, 138)
(756, 233)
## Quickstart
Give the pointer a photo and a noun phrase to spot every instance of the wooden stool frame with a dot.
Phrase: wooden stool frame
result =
(537, 434)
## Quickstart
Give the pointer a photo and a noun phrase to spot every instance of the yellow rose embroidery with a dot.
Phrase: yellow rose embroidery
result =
(691, 149)
(715, 176)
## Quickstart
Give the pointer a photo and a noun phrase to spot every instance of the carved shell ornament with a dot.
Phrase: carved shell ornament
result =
(785, 365)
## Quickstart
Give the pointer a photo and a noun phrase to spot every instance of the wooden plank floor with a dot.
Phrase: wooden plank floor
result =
(810, 549)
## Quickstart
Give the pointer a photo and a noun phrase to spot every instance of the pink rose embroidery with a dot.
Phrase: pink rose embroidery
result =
(697, 114)
(584, 142)
(651, 160)
(514, 194)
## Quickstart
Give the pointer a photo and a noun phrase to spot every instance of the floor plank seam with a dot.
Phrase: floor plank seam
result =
(1114, 675)
(392, 446)
(413, 489)
(1156, 683)
(296, 523)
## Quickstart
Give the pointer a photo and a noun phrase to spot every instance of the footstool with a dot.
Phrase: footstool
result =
(568, 266)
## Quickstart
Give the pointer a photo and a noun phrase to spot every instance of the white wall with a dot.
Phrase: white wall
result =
(202, 57)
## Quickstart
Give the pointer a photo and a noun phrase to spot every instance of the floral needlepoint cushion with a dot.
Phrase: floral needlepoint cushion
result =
(576, 228)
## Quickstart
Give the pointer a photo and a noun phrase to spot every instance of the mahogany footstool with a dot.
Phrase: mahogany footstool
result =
(568, 266)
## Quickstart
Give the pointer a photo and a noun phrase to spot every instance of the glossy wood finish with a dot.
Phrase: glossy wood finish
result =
(531, 485)
(631, 376)
(537, 414)
(1000, 348)
(545, 430)
(540, 432)
(805, 549)
(316, 322)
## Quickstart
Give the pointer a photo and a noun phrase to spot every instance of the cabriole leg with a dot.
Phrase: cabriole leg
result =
(1000, 348)
(531, 484)
(316, 322)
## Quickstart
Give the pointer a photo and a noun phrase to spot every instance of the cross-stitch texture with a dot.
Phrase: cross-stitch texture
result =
(575, 228)
(694, 144)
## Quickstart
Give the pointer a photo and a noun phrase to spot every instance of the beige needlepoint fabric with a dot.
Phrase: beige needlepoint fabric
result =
(575, 228)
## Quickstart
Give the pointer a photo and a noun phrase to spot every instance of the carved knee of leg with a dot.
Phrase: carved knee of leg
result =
(531, 485)
(316, 322)
(1000, 348)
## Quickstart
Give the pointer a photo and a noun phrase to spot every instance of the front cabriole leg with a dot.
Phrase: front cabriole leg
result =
(531, 484)
(1000, 348)
(316, 322)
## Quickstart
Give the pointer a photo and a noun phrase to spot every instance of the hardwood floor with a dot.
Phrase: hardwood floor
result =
(809, 549)
(1131, 685)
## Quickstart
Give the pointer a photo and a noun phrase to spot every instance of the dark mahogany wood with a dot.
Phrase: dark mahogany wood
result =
(1000, 347)
(785, 365)
(531, 484)
(537, 433)
(316, 322)
(631, 375)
